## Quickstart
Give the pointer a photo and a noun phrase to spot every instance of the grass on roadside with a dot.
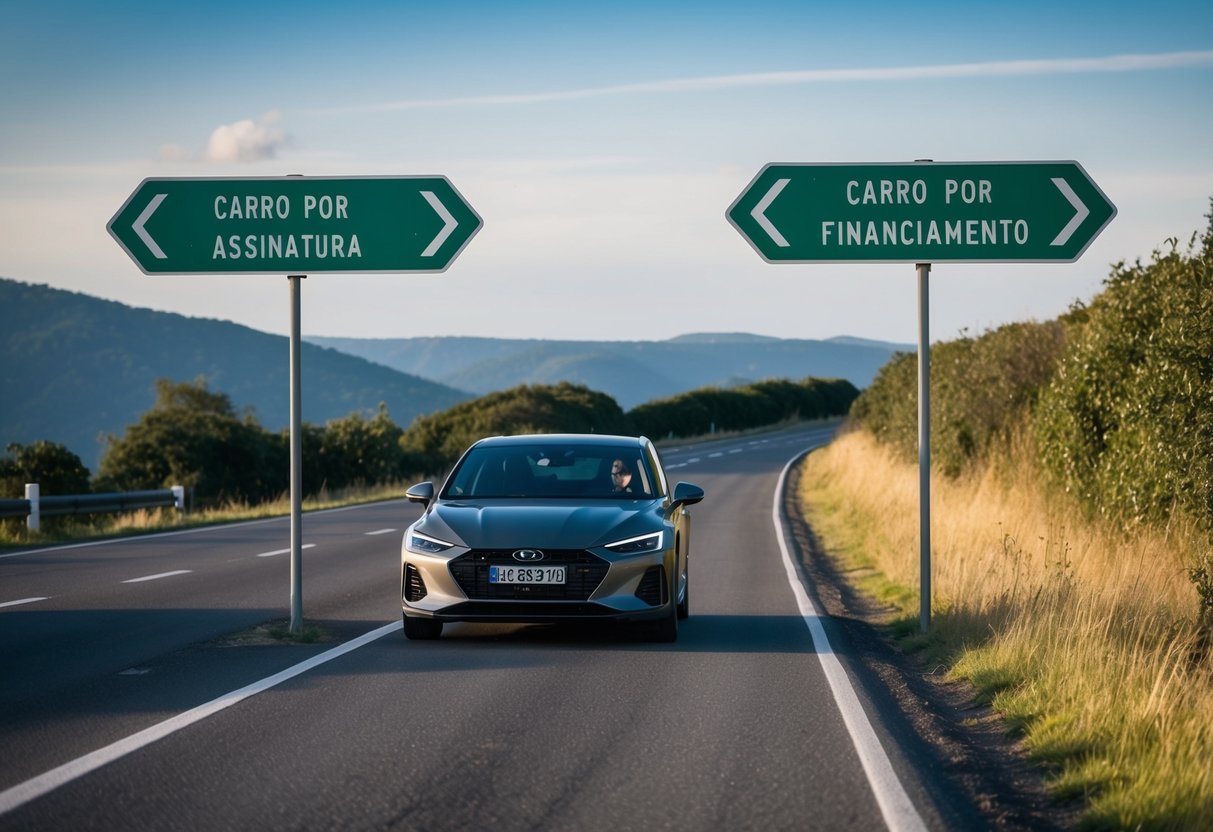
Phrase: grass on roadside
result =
(1085, 638)
(277, 632)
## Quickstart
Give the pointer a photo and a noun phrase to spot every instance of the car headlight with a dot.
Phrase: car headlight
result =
(423, 543)
(637, 545)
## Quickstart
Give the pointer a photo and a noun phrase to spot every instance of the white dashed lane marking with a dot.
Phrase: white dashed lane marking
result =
(285, 551)
(158, 576)
(24, 601)
(379, 531)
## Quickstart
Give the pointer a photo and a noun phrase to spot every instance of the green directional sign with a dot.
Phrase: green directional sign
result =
(294, 225)
(922, 212)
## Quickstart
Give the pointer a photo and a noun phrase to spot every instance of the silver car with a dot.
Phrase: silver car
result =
(550, 528)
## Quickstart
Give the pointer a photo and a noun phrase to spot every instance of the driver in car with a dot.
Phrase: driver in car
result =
(621, 476)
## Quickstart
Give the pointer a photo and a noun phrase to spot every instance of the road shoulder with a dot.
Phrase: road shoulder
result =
(967, 743)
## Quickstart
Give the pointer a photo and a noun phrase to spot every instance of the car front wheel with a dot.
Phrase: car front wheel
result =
(684, 606)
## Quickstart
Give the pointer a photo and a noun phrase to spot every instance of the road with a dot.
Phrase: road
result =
(749, 721)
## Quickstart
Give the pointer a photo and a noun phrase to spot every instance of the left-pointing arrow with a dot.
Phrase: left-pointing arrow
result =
(760, 212)
(449, 224)
(142, 221)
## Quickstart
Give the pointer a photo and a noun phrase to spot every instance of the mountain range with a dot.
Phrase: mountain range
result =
(633, 372)
(75, 368)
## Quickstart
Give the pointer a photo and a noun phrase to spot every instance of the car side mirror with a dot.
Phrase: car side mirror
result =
(422, 492)
(686, 494)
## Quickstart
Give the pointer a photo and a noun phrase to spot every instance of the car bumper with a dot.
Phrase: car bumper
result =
(598, 587)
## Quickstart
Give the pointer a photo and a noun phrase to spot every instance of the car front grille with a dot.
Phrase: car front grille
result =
(583, 573)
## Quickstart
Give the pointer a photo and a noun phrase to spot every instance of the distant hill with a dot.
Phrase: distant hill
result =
(74, 368)
(633, 372)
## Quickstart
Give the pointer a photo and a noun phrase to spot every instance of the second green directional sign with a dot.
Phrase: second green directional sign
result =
(294, 225)
(921, 212)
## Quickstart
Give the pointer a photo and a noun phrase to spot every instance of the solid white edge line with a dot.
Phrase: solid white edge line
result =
(898, 810)
(36, 787)
(24, 601)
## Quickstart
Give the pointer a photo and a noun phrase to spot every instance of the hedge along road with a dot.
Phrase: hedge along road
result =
(736, 725)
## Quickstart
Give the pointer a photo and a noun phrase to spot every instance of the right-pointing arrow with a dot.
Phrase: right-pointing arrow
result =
(760, 216)
(142, 232)
(1080, 209)
(449, 224)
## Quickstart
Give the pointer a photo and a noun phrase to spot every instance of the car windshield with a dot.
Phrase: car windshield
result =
(553, 471)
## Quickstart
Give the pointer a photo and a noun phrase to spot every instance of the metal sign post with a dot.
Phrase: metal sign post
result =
(296, 284)
(924, 447)
(294, 225)
(921, 212)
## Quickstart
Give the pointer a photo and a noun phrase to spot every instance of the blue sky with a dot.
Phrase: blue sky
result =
(600, 143)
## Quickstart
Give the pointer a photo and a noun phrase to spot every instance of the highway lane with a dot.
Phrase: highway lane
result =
(73, 661)
(513, 727)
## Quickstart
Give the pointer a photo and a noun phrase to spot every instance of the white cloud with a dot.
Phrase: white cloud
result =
(246, 141)
(1051, 66)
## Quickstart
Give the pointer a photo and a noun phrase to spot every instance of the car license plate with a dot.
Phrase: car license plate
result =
(526, 574)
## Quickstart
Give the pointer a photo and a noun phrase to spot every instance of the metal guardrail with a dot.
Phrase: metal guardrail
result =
(105, 503)
(14, 508)
(34, 506)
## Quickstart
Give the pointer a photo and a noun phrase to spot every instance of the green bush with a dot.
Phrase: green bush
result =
(1127, 425)
(1118, 395)
(352, 450)
(888, 407)
(699, 412)
(981, 389)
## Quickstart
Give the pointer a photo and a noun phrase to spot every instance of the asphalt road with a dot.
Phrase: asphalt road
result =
(744, 723)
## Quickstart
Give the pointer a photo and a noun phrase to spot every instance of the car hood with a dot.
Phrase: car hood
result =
(550, 524)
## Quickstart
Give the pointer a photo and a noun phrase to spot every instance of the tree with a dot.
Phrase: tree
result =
(434, 442)
(356, 450)
(193, 437)
(56, 469)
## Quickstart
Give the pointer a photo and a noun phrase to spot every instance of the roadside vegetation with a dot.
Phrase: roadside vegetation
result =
(234, 469)
(1072, 504)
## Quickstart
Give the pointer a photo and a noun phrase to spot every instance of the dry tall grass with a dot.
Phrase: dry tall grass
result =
(1084, 637)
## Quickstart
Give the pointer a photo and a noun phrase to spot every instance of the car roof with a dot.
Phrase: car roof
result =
(587, 439)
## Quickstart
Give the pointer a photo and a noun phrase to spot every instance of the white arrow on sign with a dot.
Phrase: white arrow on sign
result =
(449, 224)
(142, 232)
(760, 216)
(1081, 211)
